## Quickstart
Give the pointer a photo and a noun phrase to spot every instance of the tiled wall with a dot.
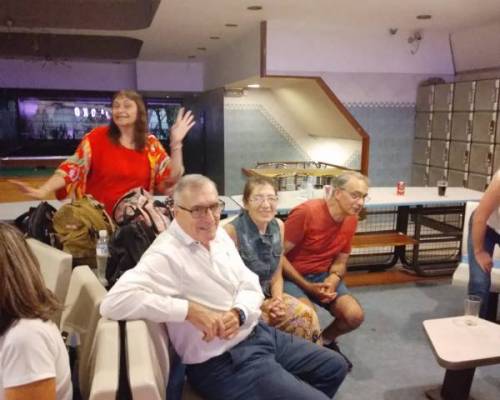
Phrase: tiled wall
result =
(391, 128)
(251, 137)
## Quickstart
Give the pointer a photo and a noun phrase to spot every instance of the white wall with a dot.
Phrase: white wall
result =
(237, 61)
(333, 150)
(170, 76)
(311, 50)
(79, 75)
(477, 48)
(67, 75)
(377, 89)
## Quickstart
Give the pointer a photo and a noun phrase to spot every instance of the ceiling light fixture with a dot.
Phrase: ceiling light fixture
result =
(214, 37)
(424, 16)
(231, 25)
(253, 86)
(201, 48)
(254, 8)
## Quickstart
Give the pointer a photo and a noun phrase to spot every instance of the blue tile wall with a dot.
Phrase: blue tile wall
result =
(391, 130)
(249, 138)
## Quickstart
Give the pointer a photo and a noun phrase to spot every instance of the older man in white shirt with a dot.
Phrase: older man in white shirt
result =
(193, 279)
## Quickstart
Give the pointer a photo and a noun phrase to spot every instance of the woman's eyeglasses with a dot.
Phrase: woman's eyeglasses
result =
(258, 199)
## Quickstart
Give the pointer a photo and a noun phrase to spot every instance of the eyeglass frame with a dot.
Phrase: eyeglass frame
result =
(215, 209)
(356, 196)
(270, 199)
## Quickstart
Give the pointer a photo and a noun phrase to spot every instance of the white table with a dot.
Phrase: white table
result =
(417, 206)
(460, 348)
(383, 197)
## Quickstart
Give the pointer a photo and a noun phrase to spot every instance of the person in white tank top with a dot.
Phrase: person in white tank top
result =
(34, 362)
(484, 226)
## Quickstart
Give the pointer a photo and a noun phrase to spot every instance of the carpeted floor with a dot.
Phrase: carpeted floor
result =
(392, 357)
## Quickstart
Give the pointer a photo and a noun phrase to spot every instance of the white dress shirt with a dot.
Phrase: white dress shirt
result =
(177, 269)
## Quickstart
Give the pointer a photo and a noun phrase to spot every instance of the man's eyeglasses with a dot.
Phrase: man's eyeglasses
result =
(200, 211)
(258, 199)
(355, 196)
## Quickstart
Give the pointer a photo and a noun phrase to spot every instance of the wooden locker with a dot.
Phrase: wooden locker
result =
(486, 95)
(421, 151)
(458, 157)
(439, 153)
(443, 97)
(425, 98)
(441, 124)
(423, 125)
(461, 126)
(483, 127)
(481, 158)
(463, 99)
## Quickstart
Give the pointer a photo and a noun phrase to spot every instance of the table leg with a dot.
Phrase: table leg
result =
(456, 386)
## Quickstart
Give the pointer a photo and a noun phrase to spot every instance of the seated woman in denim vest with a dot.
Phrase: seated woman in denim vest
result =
(259, 238)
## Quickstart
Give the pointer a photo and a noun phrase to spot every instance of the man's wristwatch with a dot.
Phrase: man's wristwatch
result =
(241, 316)
(339, 275)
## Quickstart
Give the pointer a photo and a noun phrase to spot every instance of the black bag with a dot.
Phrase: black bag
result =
(37, 223)
(126, 247)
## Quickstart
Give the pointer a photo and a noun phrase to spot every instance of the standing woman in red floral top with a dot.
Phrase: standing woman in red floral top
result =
(111, 160)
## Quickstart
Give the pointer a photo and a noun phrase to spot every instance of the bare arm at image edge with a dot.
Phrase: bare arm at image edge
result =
(489, 202)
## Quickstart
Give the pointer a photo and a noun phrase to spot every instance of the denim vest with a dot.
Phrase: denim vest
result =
(260, 253)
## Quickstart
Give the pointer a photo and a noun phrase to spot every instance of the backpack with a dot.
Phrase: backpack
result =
(77, 225)
(37, 223)
(139, 205)
(126, 247)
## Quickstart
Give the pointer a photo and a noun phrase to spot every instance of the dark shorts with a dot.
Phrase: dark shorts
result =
(296, 291)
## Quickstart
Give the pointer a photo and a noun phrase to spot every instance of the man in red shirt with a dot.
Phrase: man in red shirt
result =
(318, 236)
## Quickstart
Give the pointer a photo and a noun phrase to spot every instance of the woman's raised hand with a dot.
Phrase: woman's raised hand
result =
(183, 123)
(36, 193)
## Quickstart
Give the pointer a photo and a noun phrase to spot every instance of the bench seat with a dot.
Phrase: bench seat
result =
(382, 239)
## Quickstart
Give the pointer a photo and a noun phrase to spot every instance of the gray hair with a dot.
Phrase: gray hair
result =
(341, 180)
(191, 182)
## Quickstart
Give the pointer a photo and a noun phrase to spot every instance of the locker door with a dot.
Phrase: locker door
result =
(443, 97)
(486, 95)
(440, 125)
(420, 151)
(496, 158)
(483, 127)
(439, 153)
(458, 157)
(481, 155)
(456, 178)
(425, 98)
(436, 174)
(477, 182)
(419, 175)
(423, 125)
(463, 99)
(497, 136)
(460, 126)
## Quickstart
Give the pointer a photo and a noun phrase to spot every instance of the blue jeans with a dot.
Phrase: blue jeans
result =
(296, 291)
(270, 364)
(480, 281)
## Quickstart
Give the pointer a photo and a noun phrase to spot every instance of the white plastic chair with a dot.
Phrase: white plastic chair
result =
(55, 266)
(106, 366)
(148, 361)
(80, 318)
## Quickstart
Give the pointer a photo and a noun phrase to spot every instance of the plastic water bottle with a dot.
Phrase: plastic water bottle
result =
(102, 254)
